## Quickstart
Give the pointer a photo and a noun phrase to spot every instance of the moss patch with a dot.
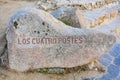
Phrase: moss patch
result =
(79, 69)
(63, 70)
(66, 22)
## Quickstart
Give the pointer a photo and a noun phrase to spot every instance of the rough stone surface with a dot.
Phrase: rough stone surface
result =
(26, 53)
(2, 41)
(7, 9)
(72, 16)
(3, 48)
(50, 5)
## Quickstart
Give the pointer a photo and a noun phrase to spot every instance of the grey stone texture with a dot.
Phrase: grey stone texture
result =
(36, 40)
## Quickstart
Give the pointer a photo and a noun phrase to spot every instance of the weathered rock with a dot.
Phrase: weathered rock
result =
(50, 5)
(6, 11)
(3, 41)
(70, 16)
(3, 48)
(47, 5)
(37, 40)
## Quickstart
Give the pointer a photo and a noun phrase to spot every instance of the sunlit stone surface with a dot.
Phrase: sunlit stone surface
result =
(70, 16)
(28, 51)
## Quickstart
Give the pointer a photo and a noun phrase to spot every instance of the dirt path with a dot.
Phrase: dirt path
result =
(8, 8)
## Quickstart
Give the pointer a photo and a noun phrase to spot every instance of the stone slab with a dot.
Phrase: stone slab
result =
(37, 40)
